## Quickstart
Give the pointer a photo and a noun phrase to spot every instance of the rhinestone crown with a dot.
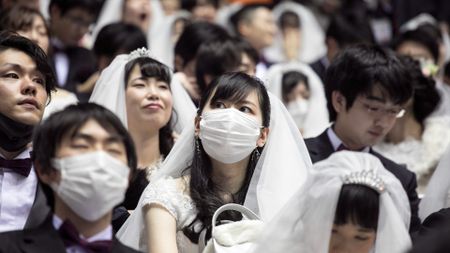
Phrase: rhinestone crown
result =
(366, 177)
(140, 52)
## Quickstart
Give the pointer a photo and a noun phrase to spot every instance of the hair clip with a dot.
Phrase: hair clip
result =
(366, 177)
(140, 52)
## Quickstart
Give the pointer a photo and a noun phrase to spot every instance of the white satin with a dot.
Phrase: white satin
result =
(282, 168)
(316, 120)
(305, 223)
(312, 43)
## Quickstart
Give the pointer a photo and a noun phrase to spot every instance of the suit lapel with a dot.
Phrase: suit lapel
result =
(323, 148)
(39, 211)
(43, 239)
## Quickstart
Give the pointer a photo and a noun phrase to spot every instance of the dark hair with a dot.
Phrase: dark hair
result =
(231, 87)
(358, 69)
(19, 18)
(426, 97)
(48, 136)
(245, 14)
(189, 5)
(90, 6)
(358, 204)
(246, 48)
(348, 29)
(196, 34)
(447, 69)
(214, 59)
(290, 80)
(117, 38)
(289, 19)
(421, 37)
(152, 68)
(10, 40)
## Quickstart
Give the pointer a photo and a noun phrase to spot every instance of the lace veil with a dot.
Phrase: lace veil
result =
(317, 117)
(282, 168)
(109, 91)
(305, 223)
(312, 42)
(437, 194)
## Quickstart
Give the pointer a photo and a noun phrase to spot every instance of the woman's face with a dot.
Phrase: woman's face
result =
(37, 33)
(300, 91)
(351, 238)
(137, 12)
(148, 101)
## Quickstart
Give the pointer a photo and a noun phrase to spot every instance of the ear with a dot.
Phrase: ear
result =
(178, 63)
(48, 176)
(338, 101)
(332, 46)
(197, 126)
(263, 137)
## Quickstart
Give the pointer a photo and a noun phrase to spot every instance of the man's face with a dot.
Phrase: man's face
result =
(367, 121)
(71, 26)
(22, 88)
(260, 31)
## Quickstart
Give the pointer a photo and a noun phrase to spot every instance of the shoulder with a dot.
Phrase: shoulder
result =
(172, 195)
(399, 170)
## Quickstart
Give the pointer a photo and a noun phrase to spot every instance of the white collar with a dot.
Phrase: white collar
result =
(106, 234)
(336, 142)
(24, 154)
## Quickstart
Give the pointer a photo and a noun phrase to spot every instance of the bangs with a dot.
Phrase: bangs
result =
(358, 204)
(150, 68)
(232, 92)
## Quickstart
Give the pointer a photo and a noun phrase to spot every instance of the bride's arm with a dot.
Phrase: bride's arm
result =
(161, 230)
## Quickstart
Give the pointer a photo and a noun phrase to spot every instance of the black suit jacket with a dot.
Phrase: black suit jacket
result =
(44, 239)
(320, 148)
(319, 68)
(434, 235)
(39, 210)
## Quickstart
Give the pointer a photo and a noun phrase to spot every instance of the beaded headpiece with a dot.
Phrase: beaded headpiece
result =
(140, 52)
(366, 177)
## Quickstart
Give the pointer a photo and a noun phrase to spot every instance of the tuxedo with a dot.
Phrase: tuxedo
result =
(433, 236)
(320, 148)
(44, 239)
(39, 211)
(320, 68)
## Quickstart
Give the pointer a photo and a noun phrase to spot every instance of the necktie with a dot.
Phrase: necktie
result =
(71, 237)
(342, 147)
(19, 166)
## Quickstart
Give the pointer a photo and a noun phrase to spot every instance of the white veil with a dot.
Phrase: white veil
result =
(305, 223)
(111, 12)
(437, 194)
(317, 117)
(109, 91)
(312, 43)
(282, 168)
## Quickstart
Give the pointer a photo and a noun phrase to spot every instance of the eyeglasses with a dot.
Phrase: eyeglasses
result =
(378, 110)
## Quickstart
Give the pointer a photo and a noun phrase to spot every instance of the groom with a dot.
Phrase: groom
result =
(84, 155)
(367, 88)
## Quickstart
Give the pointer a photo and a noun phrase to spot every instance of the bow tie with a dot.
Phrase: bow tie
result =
(71, 237)
(19, 166)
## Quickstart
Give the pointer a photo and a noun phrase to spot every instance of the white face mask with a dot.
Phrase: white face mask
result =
(298, 110)
(228, 135)
(91, 184)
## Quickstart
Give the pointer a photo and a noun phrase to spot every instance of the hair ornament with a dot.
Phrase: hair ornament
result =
(366, 177)
(140, 52)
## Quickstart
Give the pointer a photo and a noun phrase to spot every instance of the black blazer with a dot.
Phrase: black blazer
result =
(39, 210)
(433, 236)
(319, 68)
(43, 239)
(320, 148)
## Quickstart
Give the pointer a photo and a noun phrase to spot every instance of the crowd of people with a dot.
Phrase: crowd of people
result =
(130, 125)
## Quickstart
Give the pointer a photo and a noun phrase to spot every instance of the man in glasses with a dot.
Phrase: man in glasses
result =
(366, 89)
(69, 22)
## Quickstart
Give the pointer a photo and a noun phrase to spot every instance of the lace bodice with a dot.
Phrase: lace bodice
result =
(173, 195)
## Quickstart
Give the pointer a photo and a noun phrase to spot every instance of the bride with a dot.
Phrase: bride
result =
(243, 148)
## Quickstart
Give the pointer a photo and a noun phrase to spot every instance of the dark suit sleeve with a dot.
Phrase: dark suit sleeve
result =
(414, 203)
(433, 236)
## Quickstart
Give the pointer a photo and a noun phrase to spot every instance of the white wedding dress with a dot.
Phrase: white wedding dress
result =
(173, 195)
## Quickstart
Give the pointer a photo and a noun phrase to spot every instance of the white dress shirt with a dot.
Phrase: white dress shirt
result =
(106, 234)
(336, 142)
(17, 194)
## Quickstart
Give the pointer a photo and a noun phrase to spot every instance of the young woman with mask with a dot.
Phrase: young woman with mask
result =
(351, 204)
(218, 161)
(137, 88)
(301, 91)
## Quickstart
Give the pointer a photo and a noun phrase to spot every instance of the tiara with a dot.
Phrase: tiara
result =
(140, 52)
(366, 177)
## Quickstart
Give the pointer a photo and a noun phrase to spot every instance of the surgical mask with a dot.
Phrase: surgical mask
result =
(91, 184)
(298, 110)
(228, 135)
